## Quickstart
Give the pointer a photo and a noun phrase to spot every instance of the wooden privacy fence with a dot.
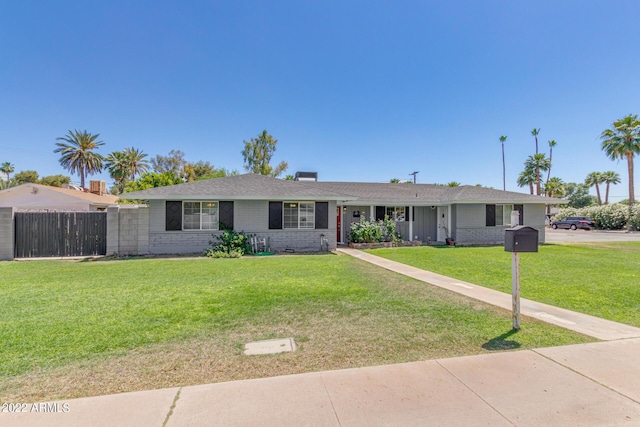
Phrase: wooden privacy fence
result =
(60, 234)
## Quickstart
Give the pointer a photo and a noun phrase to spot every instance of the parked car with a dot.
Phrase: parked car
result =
(574, 222)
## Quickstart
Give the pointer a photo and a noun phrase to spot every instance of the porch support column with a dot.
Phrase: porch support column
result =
(372, 213)
(410, 223)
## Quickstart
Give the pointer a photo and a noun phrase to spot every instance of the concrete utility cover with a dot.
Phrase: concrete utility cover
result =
(269, 346)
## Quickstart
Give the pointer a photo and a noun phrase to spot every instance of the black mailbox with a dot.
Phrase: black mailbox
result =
(521, 239)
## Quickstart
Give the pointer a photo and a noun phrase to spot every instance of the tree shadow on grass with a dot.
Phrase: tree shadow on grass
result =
(502, 342)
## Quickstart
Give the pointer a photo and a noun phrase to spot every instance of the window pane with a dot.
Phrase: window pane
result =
(209, 215)
(307, 219)
(290, 215)
(400, 214)
(191, 215)
(499, 215)
(390, 212)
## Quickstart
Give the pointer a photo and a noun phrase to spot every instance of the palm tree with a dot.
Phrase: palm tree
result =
(118, 167)
(535, 133)
(7, 168)
(527, 177)
(623, 141)
(504, 179)
(136, 162)
(554, 187)
(77, 155)
(595, 179)
(609, 177)
(552, 144)
(538, 163)
(453, 184)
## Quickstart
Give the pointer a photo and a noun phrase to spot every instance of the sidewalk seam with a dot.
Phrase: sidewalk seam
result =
(476, 394)
(584, 376)
(324, 384)
(172, 407)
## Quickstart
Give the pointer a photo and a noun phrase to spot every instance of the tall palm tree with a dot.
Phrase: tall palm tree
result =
(538, 163)
(595, 179)
(77, 153)
(527, 177)
(535, 133)
(623, 140)
(7, 168)
(609, 177)
(136, 162)
(552, 144)
(504, 179)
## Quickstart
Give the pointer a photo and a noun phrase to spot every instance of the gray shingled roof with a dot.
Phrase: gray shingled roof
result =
(248, 186)
(427, 194)
(259, 187)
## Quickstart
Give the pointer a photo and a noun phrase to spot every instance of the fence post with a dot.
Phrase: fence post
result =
(113, 230)
(7, 234)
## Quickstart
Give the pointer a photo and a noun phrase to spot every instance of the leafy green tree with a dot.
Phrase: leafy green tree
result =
(174, 162)
(152, 180)
(78, 155)
(7, 168)
(55, 180)
(609, 177)
(578, 195)
(24, 177)
(623, 141)
(394, 181)
(595, 179)
(504, 175)
(257, 155)
(554, 187)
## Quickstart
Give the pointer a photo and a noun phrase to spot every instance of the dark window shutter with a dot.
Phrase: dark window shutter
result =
(226, 215)
(491, 215)
(406, 213)
(275, 215)
(173, 215)
(380, 212)
(322, 215)
(520, 208)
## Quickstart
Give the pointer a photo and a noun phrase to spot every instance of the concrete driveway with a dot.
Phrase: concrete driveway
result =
(579, 236)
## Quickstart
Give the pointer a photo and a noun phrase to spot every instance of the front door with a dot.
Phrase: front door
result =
(443, 223)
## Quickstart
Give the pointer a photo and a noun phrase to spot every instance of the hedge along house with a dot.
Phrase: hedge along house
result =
(296, 215)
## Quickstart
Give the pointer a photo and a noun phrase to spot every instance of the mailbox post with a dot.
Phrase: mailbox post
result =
(518, 239)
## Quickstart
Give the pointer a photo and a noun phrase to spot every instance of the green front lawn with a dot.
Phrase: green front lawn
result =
(601, 279)
(73, 328)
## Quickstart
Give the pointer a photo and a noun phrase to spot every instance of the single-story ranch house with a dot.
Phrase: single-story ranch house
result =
(297, 215)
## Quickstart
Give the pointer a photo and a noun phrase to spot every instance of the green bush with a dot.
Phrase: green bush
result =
(374, 231)
(614, 216)
(229, 244)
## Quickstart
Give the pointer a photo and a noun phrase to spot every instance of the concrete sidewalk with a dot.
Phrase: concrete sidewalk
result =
(583, 323)
(592, 384)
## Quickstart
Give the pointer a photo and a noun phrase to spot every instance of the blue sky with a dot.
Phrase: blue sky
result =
(356, 90)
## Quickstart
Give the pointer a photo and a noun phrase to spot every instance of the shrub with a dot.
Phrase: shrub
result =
(229, 244)
(614, 216)
(374, 231)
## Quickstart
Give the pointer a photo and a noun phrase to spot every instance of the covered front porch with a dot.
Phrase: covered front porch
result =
(429, 224)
